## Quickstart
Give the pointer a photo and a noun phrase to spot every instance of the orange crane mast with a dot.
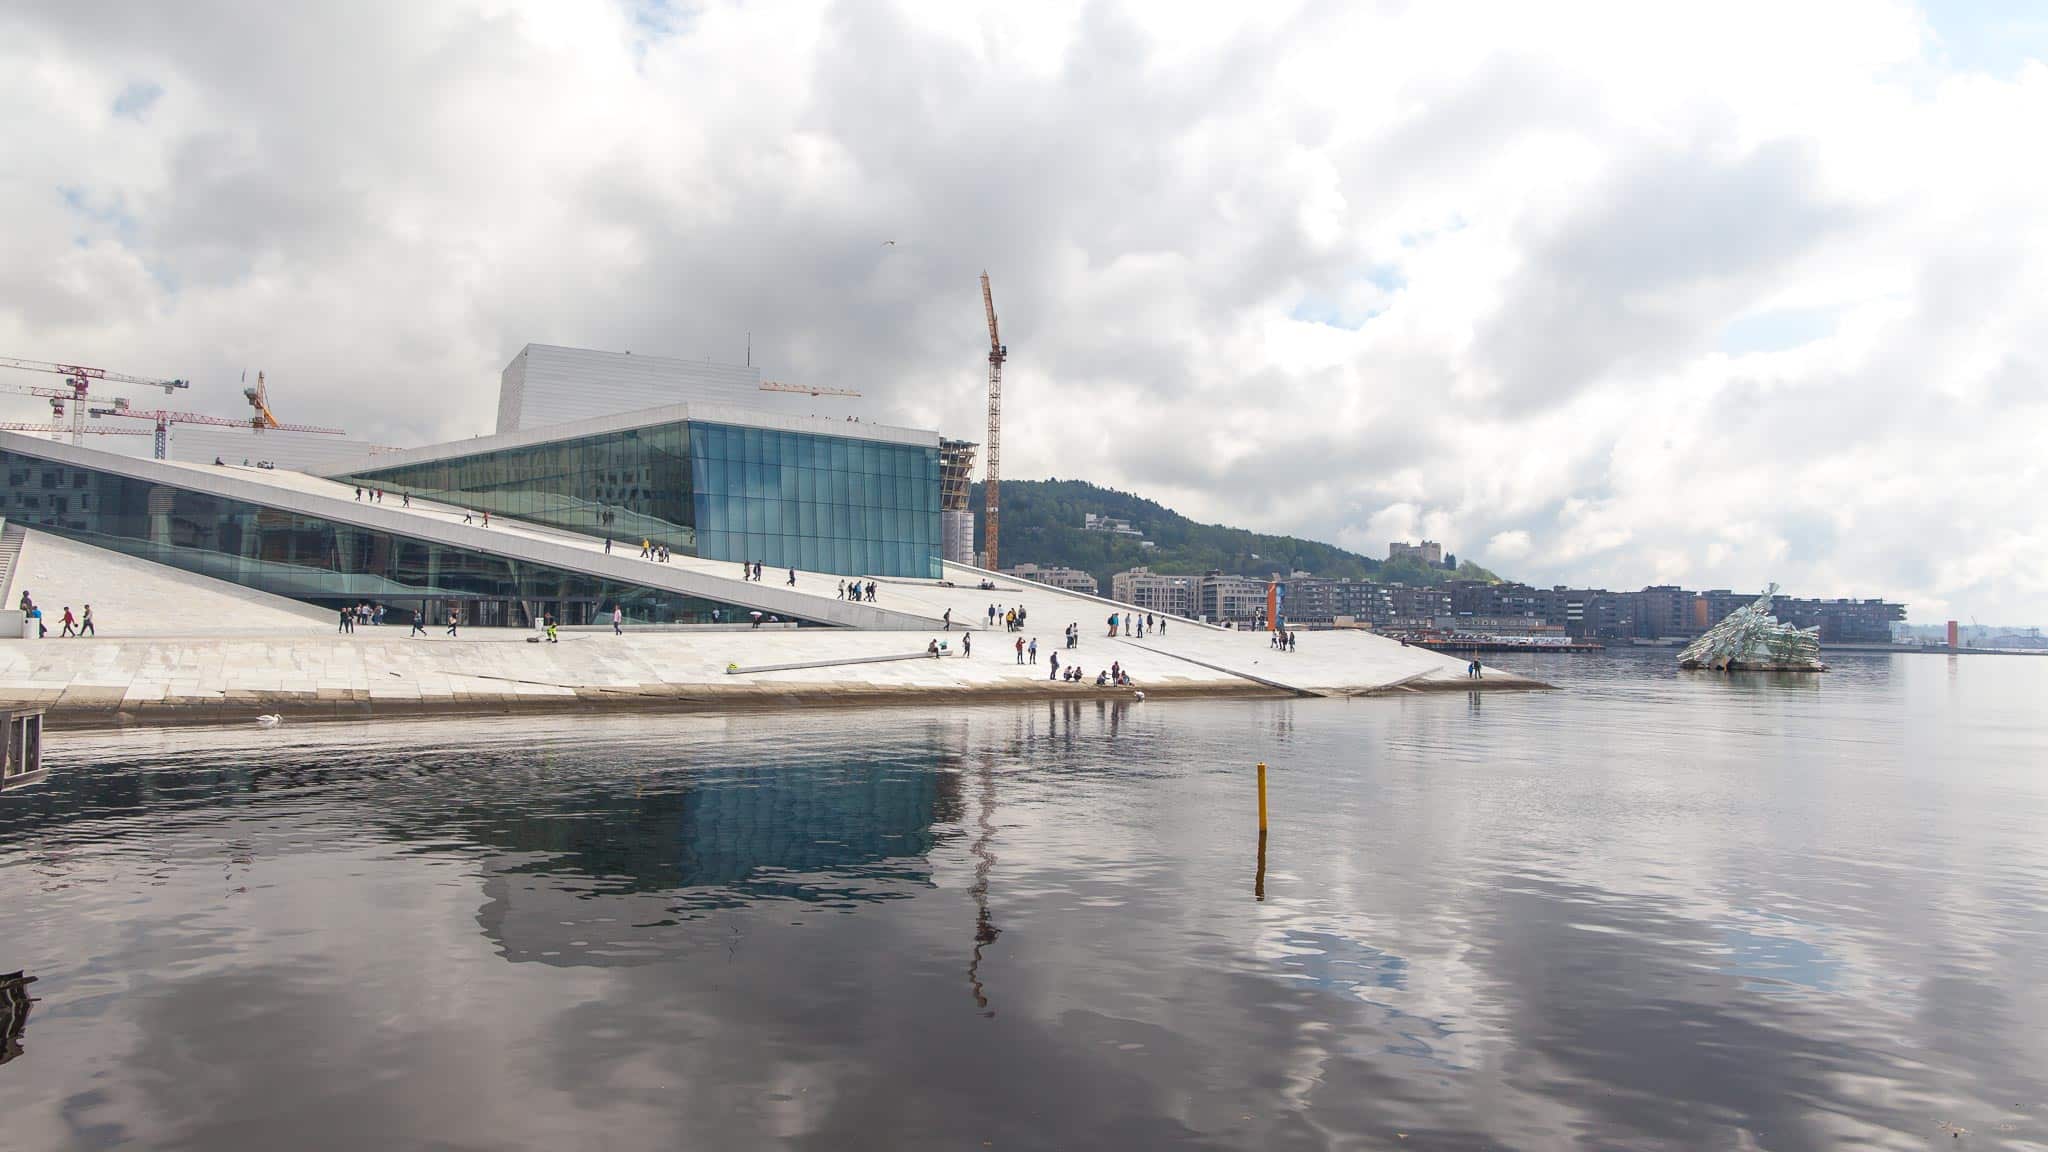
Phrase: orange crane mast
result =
(997, 353)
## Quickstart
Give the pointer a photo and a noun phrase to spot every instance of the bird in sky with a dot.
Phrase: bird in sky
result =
(888, 243)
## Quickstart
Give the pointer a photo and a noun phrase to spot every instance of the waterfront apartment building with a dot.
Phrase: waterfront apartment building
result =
(1143, 588)
(1667, 612)
(1071, 579)
(1314, 600)
(1220, 598)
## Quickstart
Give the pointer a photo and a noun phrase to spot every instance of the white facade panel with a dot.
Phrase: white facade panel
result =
(512, 393)
(546, 385)
(956, 536)
(297, 451)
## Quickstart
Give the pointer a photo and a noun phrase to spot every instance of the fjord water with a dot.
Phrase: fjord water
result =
(1650, 909)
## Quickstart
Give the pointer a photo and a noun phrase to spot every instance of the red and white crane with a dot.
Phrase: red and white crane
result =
(78, 387)
(164, 419)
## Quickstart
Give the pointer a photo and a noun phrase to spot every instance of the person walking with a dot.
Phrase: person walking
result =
(966, 644)
(607, 545)
(359, 492)
(346, 622)
(792, 578)
(1034, 649)
(405, 499)
(842, 589)
(454, 619)
(552, 638)
(419, 624)
(466, 519)
(949, 619)
(1112, 624)
(1162, 625)
(1054, 661)
(70, 624)
(85, 622)
(487, 517)
(1020, 649)
(618, 620)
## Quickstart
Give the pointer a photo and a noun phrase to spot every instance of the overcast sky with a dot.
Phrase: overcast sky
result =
(1738, 293)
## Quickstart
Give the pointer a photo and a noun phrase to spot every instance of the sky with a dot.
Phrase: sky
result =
(1598, 294)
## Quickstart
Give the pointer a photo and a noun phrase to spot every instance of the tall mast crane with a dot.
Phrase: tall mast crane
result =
(164, 420)
(78, 379)
(997, 353)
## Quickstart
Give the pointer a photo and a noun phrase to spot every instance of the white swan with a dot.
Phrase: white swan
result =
(270, 720)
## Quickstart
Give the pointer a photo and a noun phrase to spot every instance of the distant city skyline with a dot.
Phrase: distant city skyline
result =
(1616, 295)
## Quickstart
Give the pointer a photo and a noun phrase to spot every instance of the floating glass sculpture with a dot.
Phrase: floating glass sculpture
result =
(1751, 639)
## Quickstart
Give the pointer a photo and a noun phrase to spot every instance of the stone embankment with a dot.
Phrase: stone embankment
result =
(385, 672)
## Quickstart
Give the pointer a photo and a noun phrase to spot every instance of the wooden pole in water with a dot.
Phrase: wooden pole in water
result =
(1259, 881)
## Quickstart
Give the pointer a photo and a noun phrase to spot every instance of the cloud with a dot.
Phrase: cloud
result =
(1744, 295)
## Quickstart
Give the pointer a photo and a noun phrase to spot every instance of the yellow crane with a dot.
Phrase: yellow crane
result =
(997, 353)
(259, 399)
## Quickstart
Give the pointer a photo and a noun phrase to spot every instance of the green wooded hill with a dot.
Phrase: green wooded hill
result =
(1042, 525)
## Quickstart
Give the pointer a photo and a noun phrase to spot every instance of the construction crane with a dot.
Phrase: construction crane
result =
(78, 380)
(164, 420)
(806, 389)
(997, 353)
(259, 400)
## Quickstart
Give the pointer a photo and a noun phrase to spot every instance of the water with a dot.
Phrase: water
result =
(1649, 910)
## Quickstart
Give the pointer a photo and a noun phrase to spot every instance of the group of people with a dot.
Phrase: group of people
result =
(1012, 618)
(467, 518)
(73, 625)
(376, 496)
(1474, 671)
(364, 613)
(659, 553)
(857, 592)
(1283, 640)
(1112, 676)
(1133, 625)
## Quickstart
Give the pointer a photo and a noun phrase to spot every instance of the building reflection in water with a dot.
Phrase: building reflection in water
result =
(985, 930)
(603, 876)
(15, 1003)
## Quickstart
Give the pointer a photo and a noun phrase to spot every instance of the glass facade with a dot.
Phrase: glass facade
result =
(316, 560)
(632, 484)
(819, 503)
(723, 492)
